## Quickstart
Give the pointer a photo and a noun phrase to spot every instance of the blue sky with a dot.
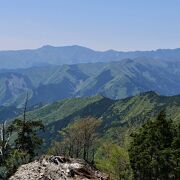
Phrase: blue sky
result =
(98, 24)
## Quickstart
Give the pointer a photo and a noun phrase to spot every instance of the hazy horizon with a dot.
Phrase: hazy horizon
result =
(58, 46)
(99, 25)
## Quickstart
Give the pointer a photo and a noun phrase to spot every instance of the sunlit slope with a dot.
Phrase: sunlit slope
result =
(115, 114)
(114, 80)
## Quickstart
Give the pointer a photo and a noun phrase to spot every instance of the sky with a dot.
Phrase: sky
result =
(98, 24)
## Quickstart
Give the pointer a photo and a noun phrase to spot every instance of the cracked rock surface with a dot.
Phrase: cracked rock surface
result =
(58, 168)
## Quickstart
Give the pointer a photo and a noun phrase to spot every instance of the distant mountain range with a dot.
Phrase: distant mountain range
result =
(74, 55)
(115, 80)
(52, 73)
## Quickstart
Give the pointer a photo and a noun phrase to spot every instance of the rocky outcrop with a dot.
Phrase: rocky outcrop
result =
(58, 168)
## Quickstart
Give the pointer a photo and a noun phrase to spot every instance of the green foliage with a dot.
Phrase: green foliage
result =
(114, 160)
(151, 153)
(117, 115)
(27, 139)
(58, 148)
(62, 109)
(79, 139)
(24, 143)
(14, 160)
(4, 142)
(176, 151)
(156, 144)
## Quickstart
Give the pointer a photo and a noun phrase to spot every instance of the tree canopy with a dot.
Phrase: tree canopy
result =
(154, 150)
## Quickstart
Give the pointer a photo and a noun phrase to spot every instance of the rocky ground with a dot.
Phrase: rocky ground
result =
(58, 168)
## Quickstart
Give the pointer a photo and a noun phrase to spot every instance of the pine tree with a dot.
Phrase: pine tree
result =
(151, 150)
(176, 152)
(27, 139)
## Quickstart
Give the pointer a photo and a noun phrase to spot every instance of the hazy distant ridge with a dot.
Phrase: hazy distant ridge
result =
(113, 79)
(74, 55)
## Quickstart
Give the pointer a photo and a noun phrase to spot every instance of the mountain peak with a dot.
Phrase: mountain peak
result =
(46, 47)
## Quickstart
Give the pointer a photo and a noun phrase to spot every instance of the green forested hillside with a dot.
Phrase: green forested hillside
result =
(115, 120)
(114, 80)
(116, 115)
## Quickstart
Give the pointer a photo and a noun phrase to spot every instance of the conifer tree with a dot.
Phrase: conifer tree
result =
(27, 139)
(151, 153)
(176, 152)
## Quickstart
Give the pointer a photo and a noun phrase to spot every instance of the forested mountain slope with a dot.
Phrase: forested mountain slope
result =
(116, 115)
(114, 80)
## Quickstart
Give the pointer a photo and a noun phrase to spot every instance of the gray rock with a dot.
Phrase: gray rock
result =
(58, 168)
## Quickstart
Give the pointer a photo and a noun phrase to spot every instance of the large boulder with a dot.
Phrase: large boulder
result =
(58, 168)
